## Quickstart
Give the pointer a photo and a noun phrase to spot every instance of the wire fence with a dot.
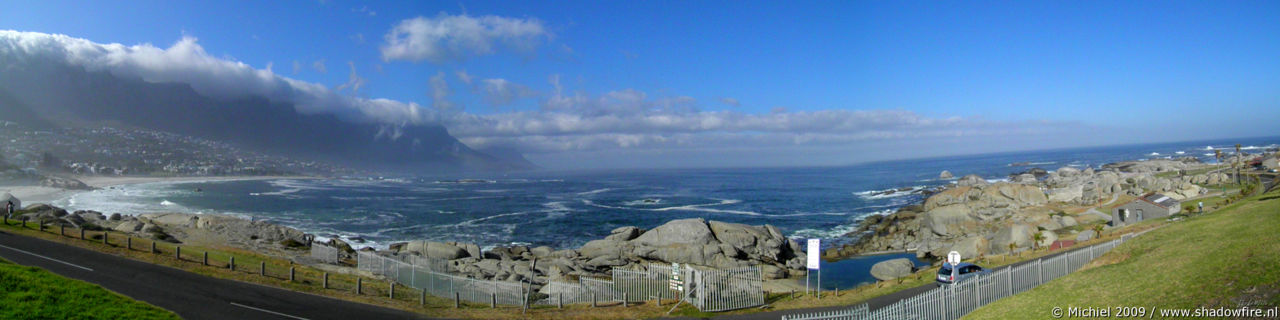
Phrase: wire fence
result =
(708, 290)
(420, 274)
(955, 301)
(324, 253)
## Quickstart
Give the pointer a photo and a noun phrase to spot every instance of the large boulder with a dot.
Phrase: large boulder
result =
(1086, 236)
(762, 241)
(624, 234)
(1019, 235)
(971, 246)
(1068, 222)
(892, 269)
(437, 250)
(945, 175)
(971, 180)
(1048, 237)
(1025, 178)
(678, 232)
(940, 219)
(1067, 172)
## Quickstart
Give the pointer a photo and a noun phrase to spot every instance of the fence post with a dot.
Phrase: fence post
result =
(232, 264)
(456, 297)
(129, 242)
(292, 274)
(206, 258)
(153, 248)
(493, 302)
(560, 300)
(359, 284)
(62, 229)
(1008, 276)
(106, 235)
(81, 233)
(177, 252)
(624, 299)
(593, 299)
(325, 283)
(422, 297)
(262, 268)
(392, 290)
(1039, 272)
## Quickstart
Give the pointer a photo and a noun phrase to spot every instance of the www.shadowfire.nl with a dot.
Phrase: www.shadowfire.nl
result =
(1241, 312)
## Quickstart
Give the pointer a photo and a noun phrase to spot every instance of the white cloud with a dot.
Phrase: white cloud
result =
(354, 82)
(365, 10)
(731, 101)
(630, 120)
(447, 38)
(187, 62)
(319, 66)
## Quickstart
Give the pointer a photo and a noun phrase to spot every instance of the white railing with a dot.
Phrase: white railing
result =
(955, 301)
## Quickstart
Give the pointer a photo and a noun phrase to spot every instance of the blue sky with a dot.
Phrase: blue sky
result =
(652, 83)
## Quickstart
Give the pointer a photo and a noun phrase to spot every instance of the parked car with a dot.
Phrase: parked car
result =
(961, 272)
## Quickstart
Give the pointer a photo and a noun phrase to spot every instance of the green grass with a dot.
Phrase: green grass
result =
(1227, 258)
(32, 293)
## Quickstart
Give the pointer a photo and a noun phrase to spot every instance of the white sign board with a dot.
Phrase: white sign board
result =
(676, 284)
(815, 246)
(953, 257)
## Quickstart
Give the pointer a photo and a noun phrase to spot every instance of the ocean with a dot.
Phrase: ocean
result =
(567, 209)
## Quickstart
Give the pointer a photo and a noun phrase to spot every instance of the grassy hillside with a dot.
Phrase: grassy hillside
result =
(1229, 258)
(32, 293)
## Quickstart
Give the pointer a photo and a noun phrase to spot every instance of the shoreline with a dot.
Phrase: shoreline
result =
(33, 194)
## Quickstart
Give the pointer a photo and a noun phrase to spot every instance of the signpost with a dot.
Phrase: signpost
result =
(814, 263)
(954, 259)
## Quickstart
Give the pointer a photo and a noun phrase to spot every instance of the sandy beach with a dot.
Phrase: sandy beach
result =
(32, 194)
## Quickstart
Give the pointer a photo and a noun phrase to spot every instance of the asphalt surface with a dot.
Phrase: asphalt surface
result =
(190, 295)
(872, 304)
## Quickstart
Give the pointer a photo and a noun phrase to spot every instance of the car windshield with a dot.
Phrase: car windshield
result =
(944, 270)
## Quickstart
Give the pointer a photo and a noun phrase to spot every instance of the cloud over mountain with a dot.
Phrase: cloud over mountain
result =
(187, 62)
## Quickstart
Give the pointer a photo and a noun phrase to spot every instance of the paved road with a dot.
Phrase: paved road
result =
(872, 304)
(190, 295)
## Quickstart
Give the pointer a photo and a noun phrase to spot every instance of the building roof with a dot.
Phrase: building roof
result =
(1160, 200)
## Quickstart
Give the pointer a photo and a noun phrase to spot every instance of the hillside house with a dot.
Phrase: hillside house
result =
(1149, 206)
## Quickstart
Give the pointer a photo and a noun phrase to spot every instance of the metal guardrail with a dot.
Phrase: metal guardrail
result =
(955, 301)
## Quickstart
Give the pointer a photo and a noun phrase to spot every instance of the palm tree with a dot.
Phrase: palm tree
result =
(1097, 231)
(1037, 238)
(1237, 164)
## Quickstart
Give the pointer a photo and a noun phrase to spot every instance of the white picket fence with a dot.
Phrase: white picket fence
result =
(324, 253)
(953, 302)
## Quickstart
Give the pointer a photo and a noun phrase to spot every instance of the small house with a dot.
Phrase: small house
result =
(1150, 206)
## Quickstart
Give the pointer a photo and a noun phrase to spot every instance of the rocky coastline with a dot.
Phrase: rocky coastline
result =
(976, 218)
(698, 242)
